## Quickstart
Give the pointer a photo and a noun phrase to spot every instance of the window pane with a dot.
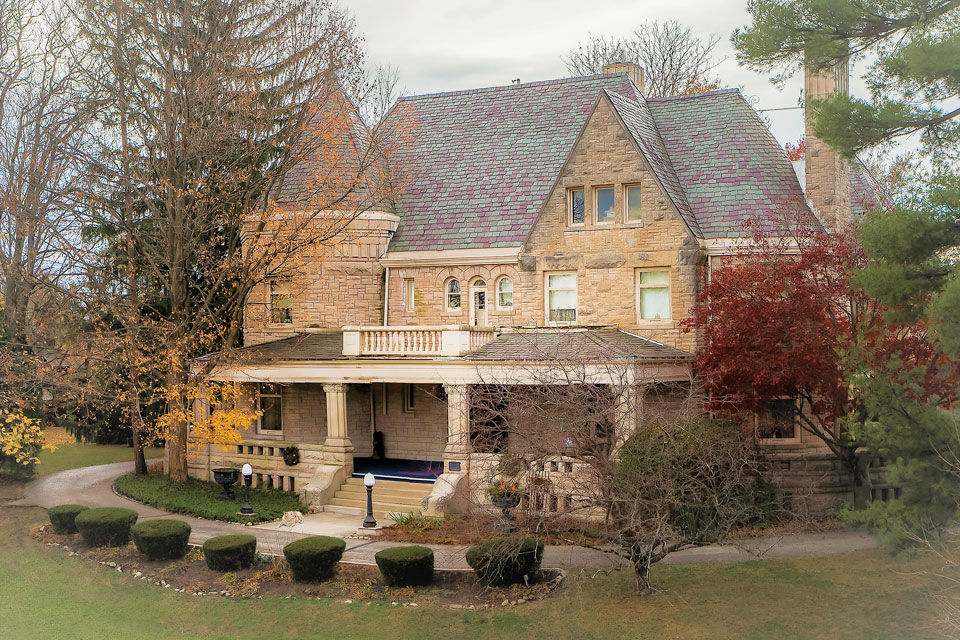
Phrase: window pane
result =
(654, 277)
(605, 211)
(576, 203)
(633, 203)
(655, 303)
(270, 421)
(454, 286)
(505, 289)
(562, 281)
(563, 305)
(453, 301)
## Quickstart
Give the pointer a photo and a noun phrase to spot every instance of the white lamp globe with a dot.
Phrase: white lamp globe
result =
(369, 480)
(247, 470)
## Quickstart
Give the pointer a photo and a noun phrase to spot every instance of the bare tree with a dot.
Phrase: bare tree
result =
(673, 59)
(608, 440)
(230, 152)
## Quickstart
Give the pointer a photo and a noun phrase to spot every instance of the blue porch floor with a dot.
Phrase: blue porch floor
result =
(403, 470)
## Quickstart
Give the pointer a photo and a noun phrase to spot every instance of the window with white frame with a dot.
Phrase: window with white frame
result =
(453, 295)
(409, 294)
(631, 199)
(562, 297)
(605, 210)
(653, 295)
(281, 302)
(505, 293)
(269, 403)
(575, 205)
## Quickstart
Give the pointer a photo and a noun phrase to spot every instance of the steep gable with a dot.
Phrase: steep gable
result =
(477, 165)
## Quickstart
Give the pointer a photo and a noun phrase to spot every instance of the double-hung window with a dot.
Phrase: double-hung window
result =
(653, 295)
(631, 199)
(409, 294)
(505, 293)
(453, 295)
(562, 297)
(575, 205)
(281, 302)
(269, 403)
(605, 210)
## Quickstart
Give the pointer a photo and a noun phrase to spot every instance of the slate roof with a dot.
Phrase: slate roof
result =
(327, 345)
(573, 345)
(476, 166)
(731, 167)
(865, 191)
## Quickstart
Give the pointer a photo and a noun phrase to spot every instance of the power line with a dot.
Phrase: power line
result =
(779, 108)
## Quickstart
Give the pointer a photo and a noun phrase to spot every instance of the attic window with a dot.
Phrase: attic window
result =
(605, 211)
(575, 206)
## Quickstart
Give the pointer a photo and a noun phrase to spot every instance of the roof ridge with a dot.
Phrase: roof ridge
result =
(523, 85)
(692, 96)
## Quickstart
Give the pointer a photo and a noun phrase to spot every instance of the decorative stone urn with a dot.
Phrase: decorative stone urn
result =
(505, 501)
(226, 477)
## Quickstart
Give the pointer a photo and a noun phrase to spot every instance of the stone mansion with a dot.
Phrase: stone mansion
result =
(571, 216)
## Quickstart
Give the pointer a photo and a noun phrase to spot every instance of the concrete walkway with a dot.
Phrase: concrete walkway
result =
(93, 487)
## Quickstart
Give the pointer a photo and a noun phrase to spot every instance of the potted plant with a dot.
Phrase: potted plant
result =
(504, 496)
(226, 477)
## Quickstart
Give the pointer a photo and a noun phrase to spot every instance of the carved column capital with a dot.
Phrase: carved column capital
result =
(334, 387)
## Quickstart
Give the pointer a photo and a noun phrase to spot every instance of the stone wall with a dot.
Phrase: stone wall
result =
(827, 172)
(420, 434)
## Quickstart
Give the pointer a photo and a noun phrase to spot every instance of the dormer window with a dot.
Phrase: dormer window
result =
(605, 210)
(575, 206)
(453, 295)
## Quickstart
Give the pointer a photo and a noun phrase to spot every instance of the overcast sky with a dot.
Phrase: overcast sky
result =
(446, 45)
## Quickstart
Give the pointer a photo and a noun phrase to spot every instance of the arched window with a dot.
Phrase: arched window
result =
(453, 295)
(505, 293)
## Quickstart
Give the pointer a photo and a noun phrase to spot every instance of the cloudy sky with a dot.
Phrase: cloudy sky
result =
(445, 45)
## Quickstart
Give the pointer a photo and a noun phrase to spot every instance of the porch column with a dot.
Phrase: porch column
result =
(456, 455)
(337, 447)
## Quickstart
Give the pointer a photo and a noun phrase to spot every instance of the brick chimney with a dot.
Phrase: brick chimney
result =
(633, 71)
(827, 172)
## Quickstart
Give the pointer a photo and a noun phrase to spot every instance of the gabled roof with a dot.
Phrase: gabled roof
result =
(476, 166)
(865, 190)
(730, 166)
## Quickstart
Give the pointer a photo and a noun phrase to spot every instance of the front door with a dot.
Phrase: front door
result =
(478, 304)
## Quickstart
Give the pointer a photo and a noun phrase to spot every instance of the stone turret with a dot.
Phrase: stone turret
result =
(827, 172)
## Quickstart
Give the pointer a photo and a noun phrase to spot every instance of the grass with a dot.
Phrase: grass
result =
(73, 455)
(44, 593)
(198, 498)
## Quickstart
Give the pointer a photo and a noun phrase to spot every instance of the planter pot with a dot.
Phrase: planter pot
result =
(505, 502)
(226, 477)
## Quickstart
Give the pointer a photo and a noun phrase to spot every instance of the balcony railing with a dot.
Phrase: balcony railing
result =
(414, 341)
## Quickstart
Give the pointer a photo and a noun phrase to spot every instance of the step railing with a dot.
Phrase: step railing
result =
(415, 341)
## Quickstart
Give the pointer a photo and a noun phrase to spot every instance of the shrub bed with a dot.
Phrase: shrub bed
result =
(229, 553)
(105, 526)
(410, 566)
(161, 539)
(197, 498)
(314, 559)
(505, 561)
(62, 517)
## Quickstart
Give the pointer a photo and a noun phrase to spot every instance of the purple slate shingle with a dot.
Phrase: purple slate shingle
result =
(576, 345)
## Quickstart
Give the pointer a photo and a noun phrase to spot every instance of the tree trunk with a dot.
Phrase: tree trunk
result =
(177, 427)
(136, 426)
(859, 469)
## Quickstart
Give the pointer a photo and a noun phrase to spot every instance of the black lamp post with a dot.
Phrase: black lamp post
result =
(368, 481)
(247, 472)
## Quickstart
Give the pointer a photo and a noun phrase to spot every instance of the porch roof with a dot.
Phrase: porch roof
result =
(325, 345)
(575, 345)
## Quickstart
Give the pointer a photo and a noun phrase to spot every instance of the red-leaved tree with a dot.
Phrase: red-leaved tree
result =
(785, 319)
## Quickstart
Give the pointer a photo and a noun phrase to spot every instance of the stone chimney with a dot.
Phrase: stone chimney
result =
(827, 172)
(633, 71)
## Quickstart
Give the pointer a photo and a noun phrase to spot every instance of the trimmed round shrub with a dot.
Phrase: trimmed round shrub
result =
(161, 539)
(505, 561)
(229, 553)
(315, 558)
(410, 566)
(105, 526)
(62, 517)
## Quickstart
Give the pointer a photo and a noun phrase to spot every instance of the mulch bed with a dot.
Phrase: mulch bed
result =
(477, 528)
(270, 578)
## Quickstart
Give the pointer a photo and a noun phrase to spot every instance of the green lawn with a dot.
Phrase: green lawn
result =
(74, 455)
(44, 593)
(197, 498)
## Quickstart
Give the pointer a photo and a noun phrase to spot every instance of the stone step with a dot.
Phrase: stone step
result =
(378, 506)
(397, 485)
(383, 517)
(386, 492)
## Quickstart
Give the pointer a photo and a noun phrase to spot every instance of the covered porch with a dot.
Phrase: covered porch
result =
(405, 418)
